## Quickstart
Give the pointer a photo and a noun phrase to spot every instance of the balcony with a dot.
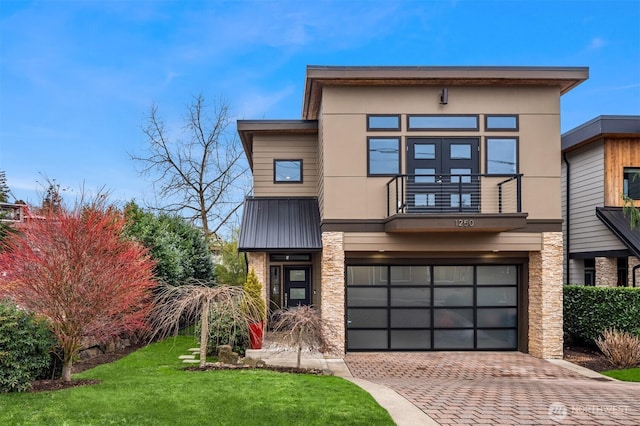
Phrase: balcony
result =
(455, 202)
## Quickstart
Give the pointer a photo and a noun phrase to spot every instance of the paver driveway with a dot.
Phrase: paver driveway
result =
(499, 388)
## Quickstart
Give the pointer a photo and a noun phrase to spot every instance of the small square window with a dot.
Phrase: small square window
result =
(502, 156)
(631, 183)
(384, 156)
(287, 171)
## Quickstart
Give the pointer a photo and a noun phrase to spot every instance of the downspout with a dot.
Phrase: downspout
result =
(567, 217)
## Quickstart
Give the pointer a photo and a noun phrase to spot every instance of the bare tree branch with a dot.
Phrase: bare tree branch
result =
(199, 174)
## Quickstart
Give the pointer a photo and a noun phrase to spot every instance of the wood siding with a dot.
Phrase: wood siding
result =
(283, 147)
(588, 233)
(618, 154)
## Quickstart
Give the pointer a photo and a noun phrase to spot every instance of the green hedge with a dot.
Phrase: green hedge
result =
(588, 311)
(25, 345)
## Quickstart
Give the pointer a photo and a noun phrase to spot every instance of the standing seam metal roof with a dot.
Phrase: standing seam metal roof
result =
(280, 224)
(620, 225)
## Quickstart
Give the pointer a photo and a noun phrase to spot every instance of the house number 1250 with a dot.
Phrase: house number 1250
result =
(464, 223)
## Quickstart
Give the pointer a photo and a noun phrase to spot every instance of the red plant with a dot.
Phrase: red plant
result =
(75, 269)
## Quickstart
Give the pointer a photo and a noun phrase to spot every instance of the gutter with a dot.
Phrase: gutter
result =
(567, 217)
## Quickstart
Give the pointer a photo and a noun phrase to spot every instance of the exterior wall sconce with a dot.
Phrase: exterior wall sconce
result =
(444, 97)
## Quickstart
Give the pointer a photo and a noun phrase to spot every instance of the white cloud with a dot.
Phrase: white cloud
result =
(597, 43)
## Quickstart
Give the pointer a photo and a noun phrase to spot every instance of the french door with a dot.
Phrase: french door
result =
(442, 175)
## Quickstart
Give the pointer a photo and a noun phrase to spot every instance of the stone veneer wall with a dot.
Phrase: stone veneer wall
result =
(606, 271)
(258, 261)
(633, 261)
(545, 298)
(333, 294)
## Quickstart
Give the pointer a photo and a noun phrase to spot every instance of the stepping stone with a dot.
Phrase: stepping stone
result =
(191, 361)
(193, 349)
(187, 357)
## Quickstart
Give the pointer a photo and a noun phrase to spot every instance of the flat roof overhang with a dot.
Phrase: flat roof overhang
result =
(566, 78)
(247, 129)
(618, 126)
(455, 222)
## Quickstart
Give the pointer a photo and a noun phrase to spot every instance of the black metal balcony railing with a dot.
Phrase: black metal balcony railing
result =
(442, 193)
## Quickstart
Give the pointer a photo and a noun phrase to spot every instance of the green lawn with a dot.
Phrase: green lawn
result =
(628, 375)
(149, 387)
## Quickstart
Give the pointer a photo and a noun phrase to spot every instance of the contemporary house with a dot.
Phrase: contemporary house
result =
(418, 208)
(601, 166)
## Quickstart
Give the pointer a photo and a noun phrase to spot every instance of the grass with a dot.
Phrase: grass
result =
(149, 387)
(628, 375)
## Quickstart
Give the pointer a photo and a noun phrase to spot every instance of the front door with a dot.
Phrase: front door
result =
(442, 175)
(297, 286)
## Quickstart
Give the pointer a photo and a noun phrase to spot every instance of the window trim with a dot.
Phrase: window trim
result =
(445, 129)
(486, 155)
(631, 171)
(384, 129)
(278, 182)
(502, 129)
(397, 139)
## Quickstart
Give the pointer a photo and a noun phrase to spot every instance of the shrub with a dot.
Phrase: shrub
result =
(226, 329)
(253, 288)
(621, 348)
(25, 345)
(589, 311)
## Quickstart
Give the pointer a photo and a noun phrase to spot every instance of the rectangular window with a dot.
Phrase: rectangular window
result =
(442, 122)
(384, 156)
(502, 156)
(631, 183)
(383, 122)
(287, 171)
(501, 122)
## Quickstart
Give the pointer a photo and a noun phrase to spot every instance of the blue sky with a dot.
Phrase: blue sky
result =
(78, 77)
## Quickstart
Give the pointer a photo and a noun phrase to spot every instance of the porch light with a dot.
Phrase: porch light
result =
(444, 97)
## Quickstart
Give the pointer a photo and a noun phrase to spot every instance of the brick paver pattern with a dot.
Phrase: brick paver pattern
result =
(499, 388)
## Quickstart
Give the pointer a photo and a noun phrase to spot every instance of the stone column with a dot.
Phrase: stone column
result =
(258, 261)
(606, 271)
(332, 295)
(633, 261)
(545, 298)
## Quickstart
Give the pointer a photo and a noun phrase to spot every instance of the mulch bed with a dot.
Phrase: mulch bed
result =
(80, 366)
(588, 358)
(220, 366)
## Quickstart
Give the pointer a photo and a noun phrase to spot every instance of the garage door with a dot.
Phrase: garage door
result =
(466, 307)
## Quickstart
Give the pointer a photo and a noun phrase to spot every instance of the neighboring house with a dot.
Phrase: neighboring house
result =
(601, 163)
(418, 208)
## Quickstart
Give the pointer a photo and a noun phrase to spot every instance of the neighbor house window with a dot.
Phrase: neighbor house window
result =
(631, 183)
(287, 171)
(384, 156)
(501, 122)
(383, 122)
(502, 156)
(442, 122)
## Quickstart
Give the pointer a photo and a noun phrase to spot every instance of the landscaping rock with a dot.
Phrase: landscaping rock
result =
(227, 356)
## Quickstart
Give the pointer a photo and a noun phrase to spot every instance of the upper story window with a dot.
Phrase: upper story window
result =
(383, 156)
(287, 171)
(631, 183)
(442, 122)
(501, 122)
(383, 122)
(502, 156)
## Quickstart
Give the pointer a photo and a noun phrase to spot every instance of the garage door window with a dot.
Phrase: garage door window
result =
(432, 307)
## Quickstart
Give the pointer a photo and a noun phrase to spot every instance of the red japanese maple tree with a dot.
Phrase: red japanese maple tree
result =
(76, 269)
